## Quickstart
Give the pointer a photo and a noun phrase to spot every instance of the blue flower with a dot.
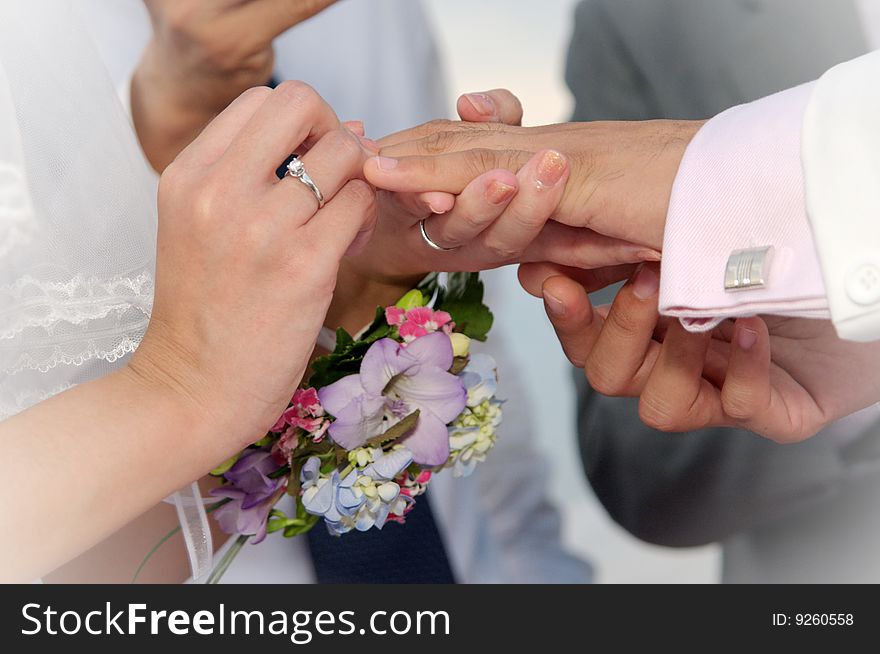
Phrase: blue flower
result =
(363, 498)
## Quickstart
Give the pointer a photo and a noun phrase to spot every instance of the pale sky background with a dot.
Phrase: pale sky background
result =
(521, 45)
(514, 44)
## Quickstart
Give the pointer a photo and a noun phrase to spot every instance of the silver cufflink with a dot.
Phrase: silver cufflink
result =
(747, 269)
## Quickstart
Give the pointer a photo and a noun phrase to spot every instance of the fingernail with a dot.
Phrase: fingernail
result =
(499, 192)
(650, 255)
(356, 126)
(554, 304)
(551, 168)
(646, 283)
(386, 163)
(370, 145)
(482, 104)
(439, 212)
(746, 338)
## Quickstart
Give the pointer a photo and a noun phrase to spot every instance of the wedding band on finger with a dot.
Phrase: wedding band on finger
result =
(431, 244)
(297, 170)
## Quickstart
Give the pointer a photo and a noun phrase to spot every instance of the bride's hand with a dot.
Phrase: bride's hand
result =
(202, 55)
(247, 263)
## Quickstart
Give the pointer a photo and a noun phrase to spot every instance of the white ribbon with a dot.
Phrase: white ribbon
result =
(196, 531)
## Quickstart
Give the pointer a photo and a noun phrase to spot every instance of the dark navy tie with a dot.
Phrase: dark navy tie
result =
(410, 553)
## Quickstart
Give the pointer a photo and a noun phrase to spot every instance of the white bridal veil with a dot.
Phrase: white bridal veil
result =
(77, 215)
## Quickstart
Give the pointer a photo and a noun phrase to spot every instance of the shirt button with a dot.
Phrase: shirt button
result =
(863, 284)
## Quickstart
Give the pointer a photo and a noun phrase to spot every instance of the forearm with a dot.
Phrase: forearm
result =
(165, 121)
(91, 459)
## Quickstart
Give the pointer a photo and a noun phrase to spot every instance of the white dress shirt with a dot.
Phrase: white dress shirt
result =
(377, 61)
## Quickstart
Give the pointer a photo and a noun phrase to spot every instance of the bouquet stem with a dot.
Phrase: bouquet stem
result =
(218, 572)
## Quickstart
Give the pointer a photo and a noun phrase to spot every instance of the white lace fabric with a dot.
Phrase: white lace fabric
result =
(77, 210)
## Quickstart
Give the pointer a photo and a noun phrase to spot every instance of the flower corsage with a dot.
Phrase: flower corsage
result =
(378, 416)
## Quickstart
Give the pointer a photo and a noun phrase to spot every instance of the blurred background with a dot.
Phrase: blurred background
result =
(522, 45)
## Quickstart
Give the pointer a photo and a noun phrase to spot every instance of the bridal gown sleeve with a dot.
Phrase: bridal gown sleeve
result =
(795, 173)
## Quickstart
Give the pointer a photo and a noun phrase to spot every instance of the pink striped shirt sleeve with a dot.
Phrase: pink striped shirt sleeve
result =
(740, 186)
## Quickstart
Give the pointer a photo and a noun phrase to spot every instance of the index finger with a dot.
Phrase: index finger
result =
(449, 173)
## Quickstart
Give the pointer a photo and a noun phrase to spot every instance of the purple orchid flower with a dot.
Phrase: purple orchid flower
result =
(252, 494)
(395, 381)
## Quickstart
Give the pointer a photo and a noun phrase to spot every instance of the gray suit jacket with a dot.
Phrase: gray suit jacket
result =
(644, 59)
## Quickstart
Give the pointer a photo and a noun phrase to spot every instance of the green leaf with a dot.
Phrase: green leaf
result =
(463, 300)
(224, 467)
(344, 341)
(300, 525)
(430, 285)
(415, 298)
(396, 432)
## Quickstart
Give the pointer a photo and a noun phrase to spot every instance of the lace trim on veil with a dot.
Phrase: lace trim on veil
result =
(83, 319)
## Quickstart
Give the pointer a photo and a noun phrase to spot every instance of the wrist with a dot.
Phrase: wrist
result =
(172, 379)
(357, 296)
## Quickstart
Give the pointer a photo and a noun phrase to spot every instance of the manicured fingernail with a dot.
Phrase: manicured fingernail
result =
(386, 163)
(482, 104)
(499, 192)
(437, 211)
(551, 168)
(646, 283)
(746, 338)
(650, 255)
(554, 304)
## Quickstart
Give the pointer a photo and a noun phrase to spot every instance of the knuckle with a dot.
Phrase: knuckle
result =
(469, 222)
(439, 142)
(659, 413)
(256, 95)
(532, 219)
(480, 160)
(501, 252)
(740, 404)
(623, 319)
(602, 378)
(360, 193)
(438, 125)
(297, 94)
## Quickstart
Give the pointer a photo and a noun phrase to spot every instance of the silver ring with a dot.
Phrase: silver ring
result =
(297, 170)
(431, 244)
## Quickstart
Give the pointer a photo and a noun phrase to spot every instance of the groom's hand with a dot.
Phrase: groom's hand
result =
(620, 180)
(498, 218)
(202, 55)
(783, 378)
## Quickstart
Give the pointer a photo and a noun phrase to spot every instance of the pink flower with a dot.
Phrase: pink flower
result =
(413, 486)
(418, 322)
(395, 316)
(410, 331)
(428, 318)
(306, 413)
